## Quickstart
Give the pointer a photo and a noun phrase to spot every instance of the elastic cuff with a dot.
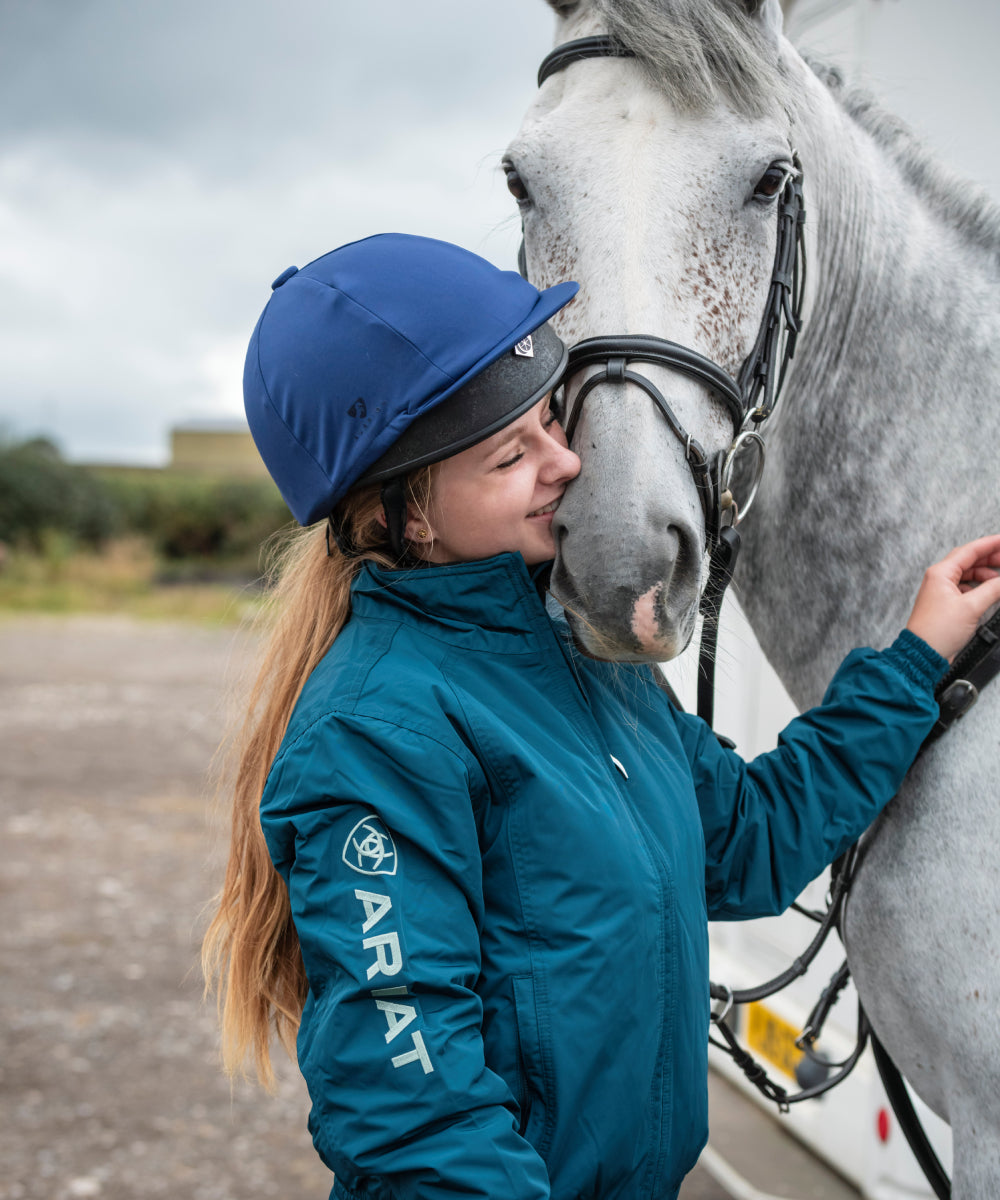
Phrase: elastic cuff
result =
(920, 663)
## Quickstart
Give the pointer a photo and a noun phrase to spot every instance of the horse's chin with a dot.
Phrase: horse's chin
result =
(652, 627)
(624, 602)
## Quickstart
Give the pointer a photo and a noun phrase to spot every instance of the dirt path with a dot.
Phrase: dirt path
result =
(109, 1084)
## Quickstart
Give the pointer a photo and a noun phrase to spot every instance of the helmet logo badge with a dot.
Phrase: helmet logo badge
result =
(524, 348)
(369, 848)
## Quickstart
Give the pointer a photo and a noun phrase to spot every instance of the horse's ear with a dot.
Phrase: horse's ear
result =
(768, 14)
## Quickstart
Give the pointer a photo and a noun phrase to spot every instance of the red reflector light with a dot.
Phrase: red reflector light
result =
(882, 1125)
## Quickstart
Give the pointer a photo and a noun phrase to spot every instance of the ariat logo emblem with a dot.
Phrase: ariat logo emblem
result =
(358, 409)
(369, 849)
(524, 348)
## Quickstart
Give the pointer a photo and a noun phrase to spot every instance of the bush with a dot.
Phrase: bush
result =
(194, 517)
(39, 493)
(201, 522)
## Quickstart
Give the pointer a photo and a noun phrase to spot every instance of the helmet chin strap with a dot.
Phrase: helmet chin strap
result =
(394, 507)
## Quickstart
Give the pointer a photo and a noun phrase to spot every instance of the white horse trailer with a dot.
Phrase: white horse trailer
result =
(852, 1127)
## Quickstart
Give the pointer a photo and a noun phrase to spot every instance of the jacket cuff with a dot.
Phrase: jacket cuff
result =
(917, 661)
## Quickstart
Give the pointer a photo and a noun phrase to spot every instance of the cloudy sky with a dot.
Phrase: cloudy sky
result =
(162, 160)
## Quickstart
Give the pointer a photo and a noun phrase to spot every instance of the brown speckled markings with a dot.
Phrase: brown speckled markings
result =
(719, 278)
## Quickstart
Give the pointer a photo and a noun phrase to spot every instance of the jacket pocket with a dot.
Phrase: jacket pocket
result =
(536, 1117)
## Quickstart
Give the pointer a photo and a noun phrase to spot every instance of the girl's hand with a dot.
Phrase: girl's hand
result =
(954, 595)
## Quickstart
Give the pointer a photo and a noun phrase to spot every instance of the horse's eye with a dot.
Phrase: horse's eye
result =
(515, 185)
(772, 183)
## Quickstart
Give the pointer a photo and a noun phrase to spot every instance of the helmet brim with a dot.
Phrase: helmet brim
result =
(497, 395)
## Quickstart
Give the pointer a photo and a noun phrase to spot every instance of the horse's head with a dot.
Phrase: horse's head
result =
(653, 181)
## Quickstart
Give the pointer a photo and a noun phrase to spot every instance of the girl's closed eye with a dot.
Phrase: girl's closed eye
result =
(510, 461)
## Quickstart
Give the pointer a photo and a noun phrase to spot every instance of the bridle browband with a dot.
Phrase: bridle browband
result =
(600, 46)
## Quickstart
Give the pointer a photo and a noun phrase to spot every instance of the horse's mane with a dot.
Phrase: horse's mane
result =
(965, 206)
(699, 52)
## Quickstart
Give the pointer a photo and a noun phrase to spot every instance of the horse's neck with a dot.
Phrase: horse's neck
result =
(893, 281)
(883, 456)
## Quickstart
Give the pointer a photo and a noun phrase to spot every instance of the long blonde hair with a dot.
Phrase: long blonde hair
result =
(250, 954)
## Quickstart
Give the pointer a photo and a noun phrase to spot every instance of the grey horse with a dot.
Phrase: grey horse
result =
(651, 180)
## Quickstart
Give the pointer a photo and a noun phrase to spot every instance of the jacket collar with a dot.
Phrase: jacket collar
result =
(498, 597)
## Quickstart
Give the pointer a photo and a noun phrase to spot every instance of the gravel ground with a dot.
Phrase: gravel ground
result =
(109, 1077)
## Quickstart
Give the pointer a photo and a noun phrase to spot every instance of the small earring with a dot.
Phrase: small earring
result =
(422, 534)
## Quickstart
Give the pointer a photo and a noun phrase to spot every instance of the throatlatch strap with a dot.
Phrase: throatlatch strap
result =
(394, 507)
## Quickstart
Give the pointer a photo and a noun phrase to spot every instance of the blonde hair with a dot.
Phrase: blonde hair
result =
(250, 954)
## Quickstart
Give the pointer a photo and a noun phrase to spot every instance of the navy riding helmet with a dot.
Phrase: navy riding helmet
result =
(388, 354)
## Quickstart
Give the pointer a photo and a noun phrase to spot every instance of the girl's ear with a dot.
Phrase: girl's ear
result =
(418, 532)
(414, 523)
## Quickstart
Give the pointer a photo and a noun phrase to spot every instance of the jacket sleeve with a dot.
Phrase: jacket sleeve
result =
(373, 828)
(772, 824)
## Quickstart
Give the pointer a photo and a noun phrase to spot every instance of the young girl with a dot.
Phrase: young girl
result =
(471, 869)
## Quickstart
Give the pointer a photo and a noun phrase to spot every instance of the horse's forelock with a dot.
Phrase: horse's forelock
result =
(967, 208)
(701, 52)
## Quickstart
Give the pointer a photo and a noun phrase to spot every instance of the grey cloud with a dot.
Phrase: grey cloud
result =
(242, 84)
(161, 161)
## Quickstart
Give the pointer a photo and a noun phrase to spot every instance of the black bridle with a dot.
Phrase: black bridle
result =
(750, 399)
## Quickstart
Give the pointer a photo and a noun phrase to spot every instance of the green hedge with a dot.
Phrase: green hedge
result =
(184, 517)
(40, 493)
(196, 517)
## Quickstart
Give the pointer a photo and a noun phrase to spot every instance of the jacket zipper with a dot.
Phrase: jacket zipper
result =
(665, 889)
(665, 896)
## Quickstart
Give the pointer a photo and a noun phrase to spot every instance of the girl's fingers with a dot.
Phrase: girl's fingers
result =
(955, 595)
(983, 596)
(983, 552)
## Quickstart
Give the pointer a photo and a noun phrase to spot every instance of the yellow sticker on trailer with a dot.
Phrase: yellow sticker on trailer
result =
(772, 1037)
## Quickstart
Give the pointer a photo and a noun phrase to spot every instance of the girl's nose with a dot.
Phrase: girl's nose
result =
(563, 463)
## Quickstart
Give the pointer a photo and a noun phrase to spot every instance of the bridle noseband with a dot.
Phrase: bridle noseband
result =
(749, 399)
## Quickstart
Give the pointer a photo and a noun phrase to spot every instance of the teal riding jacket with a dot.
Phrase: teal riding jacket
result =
(502, 858)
